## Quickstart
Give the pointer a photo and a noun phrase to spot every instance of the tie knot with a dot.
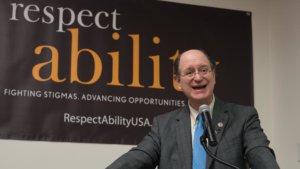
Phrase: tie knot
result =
(199, 119)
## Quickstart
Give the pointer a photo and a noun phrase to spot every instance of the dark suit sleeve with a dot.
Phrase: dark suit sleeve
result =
(144, 156)
(257, 150)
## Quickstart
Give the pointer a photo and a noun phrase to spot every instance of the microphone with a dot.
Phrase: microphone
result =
(209, 134)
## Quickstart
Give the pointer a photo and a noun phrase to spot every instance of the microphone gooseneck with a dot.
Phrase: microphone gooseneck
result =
(203, 142)
(209, 135)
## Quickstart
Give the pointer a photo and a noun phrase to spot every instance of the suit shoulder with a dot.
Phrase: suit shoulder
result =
(239, 106)
(238, 109)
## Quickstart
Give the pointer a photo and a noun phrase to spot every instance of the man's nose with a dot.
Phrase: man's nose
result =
(197, 76)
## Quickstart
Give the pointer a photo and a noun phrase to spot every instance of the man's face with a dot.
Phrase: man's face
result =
(196, 78)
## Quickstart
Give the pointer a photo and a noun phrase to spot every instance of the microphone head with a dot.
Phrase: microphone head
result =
(204, 108)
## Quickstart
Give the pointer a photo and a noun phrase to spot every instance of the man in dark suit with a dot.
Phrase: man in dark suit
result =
(169, 144)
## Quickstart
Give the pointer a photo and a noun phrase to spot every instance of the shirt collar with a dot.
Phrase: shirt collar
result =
(194, 113)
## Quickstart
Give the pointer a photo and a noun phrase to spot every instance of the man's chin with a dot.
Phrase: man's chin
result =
(200, 99)
(200, 95)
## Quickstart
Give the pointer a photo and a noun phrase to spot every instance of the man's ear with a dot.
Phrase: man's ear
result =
(177, 82)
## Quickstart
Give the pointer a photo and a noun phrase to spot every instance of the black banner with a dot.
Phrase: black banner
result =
(99, 71)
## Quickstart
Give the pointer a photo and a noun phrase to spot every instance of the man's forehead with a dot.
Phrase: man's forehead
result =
(193, 56)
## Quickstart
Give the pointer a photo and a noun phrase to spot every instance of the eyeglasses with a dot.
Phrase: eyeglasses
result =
(190, 73)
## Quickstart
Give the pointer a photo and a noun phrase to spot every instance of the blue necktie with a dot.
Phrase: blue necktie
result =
(199, 154)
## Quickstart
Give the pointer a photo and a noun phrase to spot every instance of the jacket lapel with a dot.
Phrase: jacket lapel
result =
(184, 137)
(219, 121)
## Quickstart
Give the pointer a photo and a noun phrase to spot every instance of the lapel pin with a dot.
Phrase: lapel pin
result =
(220, 124)
(219, 128)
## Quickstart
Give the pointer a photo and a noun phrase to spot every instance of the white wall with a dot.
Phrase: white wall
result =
(276, 47)
(284, 49)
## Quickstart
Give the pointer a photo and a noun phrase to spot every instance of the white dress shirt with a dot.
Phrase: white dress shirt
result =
(194, 114)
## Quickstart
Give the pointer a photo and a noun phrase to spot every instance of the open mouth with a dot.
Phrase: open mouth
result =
(199, 87)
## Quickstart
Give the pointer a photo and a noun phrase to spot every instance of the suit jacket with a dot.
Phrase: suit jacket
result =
(241, 141)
